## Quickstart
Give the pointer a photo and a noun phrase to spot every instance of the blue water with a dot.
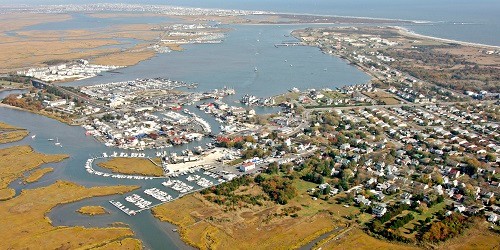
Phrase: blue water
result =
(232, 64)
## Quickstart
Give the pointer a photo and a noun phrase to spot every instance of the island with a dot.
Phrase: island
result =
(133, 166)
(11, 134)
(38, 174)
(92, 210)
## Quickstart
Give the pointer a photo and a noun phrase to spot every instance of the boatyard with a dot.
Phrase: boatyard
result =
(179, 179)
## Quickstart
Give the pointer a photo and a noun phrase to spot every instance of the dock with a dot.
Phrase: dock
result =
(124, 209)
(286, 44)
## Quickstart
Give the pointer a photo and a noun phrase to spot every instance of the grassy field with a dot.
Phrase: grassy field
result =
(125, 244)
(25, 158)
(136, 166)
(205, 225)
(37, 174)
(29, 228)
(478, 237)
(357, 239)
(10, 133)
(34, 47)
(383, 97)
(311, 207)
(92, 210)
(125, 58)
(290, 96)
(7, 193)
(11, 85)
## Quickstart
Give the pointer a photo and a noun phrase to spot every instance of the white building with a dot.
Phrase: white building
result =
(247, 166)
(379, 210)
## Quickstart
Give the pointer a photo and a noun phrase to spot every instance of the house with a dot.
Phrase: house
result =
(360, 199)
(457, 197)
(379, 210)
(334, 191)
(54, 103)
(247, 166)
(323, 186)
(460, 208)
(493, 217)
(380, 196)
(345, 146)
(454, 173)
(438, 189)
(381, 186)
(406, 201)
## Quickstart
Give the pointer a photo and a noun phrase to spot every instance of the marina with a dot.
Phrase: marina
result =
(178, 183)
(240, 70)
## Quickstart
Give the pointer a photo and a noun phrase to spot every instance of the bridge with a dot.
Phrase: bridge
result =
(43, 85)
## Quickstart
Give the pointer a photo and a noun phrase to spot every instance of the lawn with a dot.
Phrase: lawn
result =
(406, 229)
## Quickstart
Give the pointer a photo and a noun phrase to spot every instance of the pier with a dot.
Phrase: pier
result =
(286, 44)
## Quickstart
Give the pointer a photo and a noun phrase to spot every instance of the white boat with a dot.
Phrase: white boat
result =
(33, 136)
(57, 142)
(50, 139)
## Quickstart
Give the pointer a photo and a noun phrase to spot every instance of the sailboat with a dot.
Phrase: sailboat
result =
(255, 69)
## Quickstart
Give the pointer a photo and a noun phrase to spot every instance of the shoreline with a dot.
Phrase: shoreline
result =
(9, 89)
(2, 105)
(409, 32)
(353, 17)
